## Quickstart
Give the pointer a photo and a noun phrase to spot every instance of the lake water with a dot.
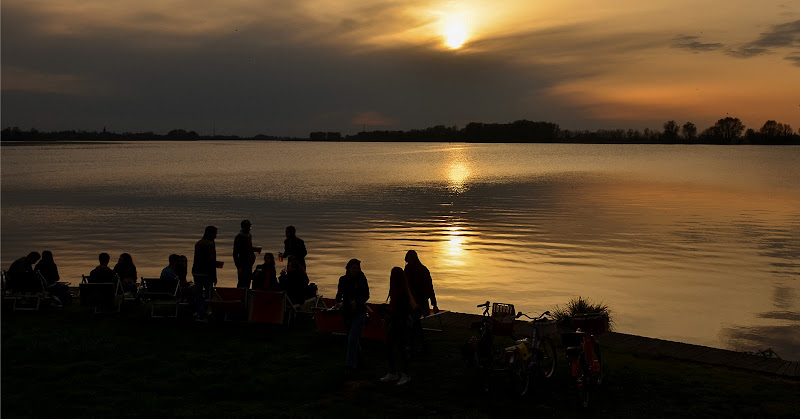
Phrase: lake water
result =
(698, 244)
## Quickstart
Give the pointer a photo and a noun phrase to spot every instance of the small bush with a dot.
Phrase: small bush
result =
(580, 305)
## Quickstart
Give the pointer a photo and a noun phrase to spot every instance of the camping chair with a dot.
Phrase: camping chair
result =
(161, 292)
(271, 307)
(29, 296)
(229, 303)
(103, 296)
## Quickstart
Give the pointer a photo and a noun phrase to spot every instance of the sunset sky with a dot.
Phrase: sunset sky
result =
(287, 68)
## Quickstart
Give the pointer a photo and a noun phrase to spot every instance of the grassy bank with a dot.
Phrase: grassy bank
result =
(71, 363)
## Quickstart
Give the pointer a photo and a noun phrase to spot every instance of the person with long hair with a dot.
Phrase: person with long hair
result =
(126, 271)
(398, 327)
(351, 300)
(49, 270)
(264, 278)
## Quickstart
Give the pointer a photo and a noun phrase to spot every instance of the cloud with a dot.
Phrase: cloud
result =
(794, 59)
(785, 35)
(693, 44)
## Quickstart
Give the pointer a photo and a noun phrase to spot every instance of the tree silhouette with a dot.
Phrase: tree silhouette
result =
(689, 131)
(671, 130)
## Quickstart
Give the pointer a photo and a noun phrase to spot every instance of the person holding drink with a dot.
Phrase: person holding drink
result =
(293, 246)
(244, 255)
(204, 270)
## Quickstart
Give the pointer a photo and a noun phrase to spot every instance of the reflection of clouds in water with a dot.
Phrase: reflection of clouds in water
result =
(783, 297)
(784, 340)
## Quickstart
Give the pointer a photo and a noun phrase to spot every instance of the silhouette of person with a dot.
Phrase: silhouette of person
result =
(127, 272)
(264, 278)
(20, 275)
(204, 270)
(351, 299)
(420, 284)
(183, 270)
(294, 246)
(398, 327)
(177, 270)
(102, 274)
(171, 270)
(49, 270)
(244, 255)
(294, 281)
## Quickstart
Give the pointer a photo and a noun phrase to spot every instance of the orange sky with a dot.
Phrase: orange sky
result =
(288, 68)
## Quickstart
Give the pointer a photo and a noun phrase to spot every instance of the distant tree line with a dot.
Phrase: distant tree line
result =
(16, 134)
(727, 130)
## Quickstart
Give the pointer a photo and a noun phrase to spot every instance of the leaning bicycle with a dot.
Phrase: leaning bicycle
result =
(583, 352)
(534, 357)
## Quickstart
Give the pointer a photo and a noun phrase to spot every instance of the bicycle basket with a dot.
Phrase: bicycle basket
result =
(593, 324)
(545, 327)
(503, 319)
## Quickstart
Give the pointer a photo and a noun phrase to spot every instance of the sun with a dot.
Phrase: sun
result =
(455, 33)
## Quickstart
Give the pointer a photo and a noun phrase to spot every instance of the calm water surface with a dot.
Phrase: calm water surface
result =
(698, 244)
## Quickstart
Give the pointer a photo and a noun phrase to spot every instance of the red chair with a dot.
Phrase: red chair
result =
(268, 307)
(229, 303)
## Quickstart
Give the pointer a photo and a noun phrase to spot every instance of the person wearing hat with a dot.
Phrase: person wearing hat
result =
(244, 255)
(351, 299)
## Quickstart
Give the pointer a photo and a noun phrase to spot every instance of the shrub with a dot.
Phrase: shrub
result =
(579, 305)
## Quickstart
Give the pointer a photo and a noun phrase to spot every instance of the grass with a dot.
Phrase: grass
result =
(72, 363)
(579, 305)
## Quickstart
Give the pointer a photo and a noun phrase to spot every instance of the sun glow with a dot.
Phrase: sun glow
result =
(455, 32)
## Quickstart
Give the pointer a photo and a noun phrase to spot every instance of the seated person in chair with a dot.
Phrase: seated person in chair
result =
(294, 281)
(174, 271)
(20, 274)
(264, 277)
(126, 271)
(49, 270)
(102, 273)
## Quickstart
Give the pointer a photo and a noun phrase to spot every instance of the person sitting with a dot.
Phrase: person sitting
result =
(294, 281)
(174, 271)
(49, 271)
(20, 276)
(264, 278)
(102, 273)
(127, 272)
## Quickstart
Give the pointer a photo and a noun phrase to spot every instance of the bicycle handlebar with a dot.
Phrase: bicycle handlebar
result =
(541, 316)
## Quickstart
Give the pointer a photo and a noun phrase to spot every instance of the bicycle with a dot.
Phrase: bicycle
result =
(477, 350)
(583, 352)
(533, 357)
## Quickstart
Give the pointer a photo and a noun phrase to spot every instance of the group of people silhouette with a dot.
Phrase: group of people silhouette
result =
(411, 295)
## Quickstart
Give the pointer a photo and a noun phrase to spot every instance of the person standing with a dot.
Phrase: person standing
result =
(398, 326)
(420, 284)
(204, 270)
(244, 255)
(351, 299)
(294, 246)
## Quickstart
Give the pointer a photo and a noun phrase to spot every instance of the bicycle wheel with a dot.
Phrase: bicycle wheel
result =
(598, 372)
(584, 386)
(520, 379)
(547, 358)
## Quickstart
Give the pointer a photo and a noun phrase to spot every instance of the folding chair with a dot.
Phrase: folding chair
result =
(271, 307)
(105, 297)
(30, 296)
(161, 292)
(229, 303)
